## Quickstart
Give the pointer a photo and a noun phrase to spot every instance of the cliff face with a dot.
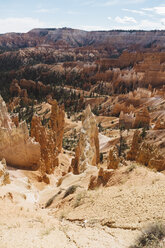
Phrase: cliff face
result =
(67, 37)
(87, 151)
(16, 146)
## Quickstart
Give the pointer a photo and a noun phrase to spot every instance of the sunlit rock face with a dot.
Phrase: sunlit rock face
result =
(18, 149)
(87, 150)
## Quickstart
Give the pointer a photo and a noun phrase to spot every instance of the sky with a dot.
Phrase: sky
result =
(22, 16)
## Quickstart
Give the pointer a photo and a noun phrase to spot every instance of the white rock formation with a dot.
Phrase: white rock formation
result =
(87, 151)
(16, 146)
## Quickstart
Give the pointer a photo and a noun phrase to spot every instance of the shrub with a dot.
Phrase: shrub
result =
(70, 190)
(151, 237)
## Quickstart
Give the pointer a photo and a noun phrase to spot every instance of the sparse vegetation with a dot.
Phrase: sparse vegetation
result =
(131, 168)
(79, 199)
(47, 231)
(143, 133)
(151, 237)
(70, 190)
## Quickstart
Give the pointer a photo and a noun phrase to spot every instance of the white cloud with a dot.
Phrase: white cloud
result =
(125, 20)
(70, 12)
(115, 2)
(19, 24)
(157, 10)
(140, 12)
(110, 3)
(86, 3)
(42, 11)
(143, 25)
(92, 28)
(134, 1)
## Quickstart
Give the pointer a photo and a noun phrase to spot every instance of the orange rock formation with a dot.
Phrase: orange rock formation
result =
(113, 160)
(145, 153)
(102, 178)
(160, 124)
(50, 139)
(47, 141)
(131, 155)
(57, 122)
(142, 118)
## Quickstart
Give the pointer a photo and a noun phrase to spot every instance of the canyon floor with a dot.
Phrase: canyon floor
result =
(104, 217)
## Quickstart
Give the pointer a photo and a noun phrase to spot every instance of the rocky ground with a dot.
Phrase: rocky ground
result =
(104, 217)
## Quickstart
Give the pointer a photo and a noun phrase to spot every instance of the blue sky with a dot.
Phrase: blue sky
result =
(22, 16)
